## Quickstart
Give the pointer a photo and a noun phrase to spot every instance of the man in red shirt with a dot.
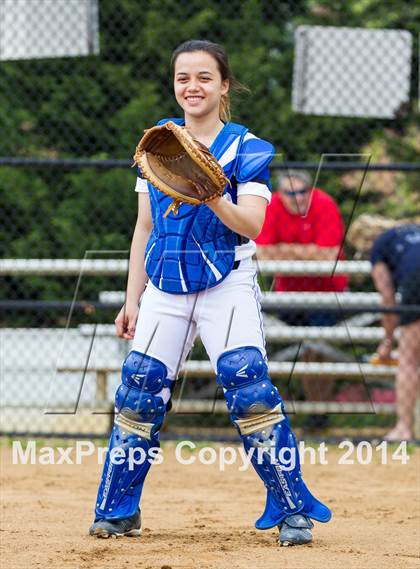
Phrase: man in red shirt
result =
(304, 223)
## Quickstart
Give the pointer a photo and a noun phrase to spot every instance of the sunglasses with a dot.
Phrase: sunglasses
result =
(293, 193)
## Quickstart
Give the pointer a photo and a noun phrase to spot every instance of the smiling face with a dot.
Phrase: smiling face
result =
(198, 84)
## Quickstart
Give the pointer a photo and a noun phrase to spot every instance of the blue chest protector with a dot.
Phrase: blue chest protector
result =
(194, 250)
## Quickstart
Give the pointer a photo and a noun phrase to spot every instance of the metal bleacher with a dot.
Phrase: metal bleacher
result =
(351, 331)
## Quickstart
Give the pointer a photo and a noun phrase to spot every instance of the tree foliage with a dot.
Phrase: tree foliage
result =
(98, 106)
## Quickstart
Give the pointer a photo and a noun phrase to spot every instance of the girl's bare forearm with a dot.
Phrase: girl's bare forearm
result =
(137, 276)
(245, 220)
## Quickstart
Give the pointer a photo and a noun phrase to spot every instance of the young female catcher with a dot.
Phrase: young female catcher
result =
(201, 280)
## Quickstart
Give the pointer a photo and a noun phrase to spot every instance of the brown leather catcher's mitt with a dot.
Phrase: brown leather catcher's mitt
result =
(179, 166)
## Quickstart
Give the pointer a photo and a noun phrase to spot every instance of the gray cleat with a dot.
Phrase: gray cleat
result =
(130, 527)
(295, 530)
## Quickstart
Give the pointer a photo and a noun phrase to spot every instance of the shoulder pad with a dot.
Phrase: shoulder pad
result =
(255, 156)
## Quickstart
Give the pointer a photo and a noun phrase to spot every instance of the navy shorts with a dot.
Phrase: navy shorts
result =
(410, 294)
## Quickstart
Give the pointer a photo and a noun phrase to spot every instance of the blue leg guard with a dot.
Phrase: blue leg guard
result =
(257, 411)
(139, 413)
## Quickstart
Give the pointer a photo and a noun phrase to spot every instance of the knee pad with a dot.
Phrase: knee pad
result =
(139, 413)
(248, 389)
(139, 408)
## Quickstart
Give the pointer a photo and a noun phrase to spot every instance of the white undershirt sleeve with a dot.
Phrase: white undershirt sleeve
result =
(254, 189)
(141, 186)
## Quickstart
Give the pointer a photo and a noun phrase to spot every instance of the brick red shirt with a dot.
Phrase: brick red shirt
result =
(322, 226)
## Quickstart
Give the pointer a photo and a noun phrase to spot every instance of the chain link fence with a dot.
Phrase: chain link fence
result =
(332, 86)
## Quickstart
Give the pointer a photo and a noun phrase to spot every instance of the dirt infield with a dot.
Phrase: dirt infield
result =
(197, 517)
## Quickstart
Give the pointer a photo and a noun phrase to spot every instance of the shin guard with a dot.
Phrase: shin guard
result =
(257, 411)
(139, 413)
